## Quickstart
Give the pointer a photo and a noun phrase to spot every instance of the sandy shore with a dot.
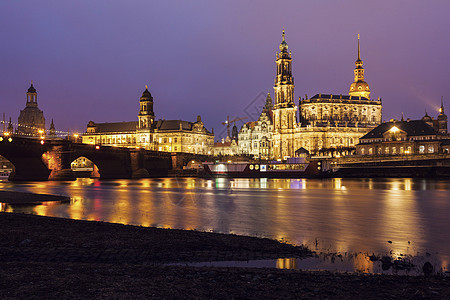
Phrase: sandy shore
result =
(42, 257)
(19, 198)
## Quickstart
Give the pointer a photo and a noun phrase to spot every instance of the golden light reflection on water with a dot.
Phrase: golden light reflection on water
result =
(333, 214)
(286, 263)
(401, 219)
(76, 208)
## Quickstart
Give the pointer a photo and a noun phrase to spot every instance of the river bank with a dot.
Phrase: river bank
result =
(62, 258)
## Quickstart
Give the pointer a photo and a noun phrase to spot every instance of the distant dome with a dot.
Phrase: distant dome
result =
(146, 95)
(426, 118)
(31, 89)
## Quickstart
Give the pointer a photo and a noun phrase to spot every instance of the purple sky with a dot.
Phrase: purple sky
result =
(91, 60)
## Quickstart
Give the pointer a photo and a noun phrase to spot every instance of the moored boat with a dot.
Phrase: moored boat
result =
(274, 169)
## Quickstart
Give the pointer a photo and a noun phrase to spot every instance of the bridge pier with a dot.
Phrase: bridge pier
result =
(137, 165)
(58, 160)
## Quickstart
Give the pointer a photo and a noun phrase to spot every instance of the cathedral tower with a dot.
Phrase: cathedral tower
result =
(146, 115)
(359, 87)
(284, 109)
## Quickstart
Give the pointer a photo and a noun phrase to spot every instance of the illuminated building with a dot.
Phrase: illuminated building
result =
(334, 123)
(255, 138)
(284, 111)
(227, 146)
(440, 123)
(328, 124)
(31, 119)
(410, 137)
(160, 135)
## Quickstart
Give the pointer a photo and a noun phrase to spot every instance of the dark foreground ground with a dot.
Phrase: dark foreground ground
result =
(47, 258)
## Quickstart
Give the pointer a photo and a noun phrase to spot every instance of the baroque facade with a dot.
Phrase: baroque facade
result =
(255, 138)
(327, 123)
(410, 137)
(151, 134)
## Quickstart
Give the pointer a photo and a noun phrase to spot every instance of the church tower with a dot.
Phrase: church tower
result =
(146, 115)
(359, 88)
(284, 110)
(442, 119)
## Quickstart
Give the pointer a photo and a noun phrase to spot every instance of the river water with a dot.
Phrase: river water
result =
(383, 216)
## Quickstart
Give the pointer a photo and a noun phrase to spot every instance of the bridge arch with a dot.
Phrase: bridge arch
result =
(26, 157)
(83, 167)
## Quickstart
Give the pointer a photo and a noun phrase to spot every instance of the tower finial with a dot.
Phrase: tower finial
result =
(146, 87)
(283, 35)
(359, 56)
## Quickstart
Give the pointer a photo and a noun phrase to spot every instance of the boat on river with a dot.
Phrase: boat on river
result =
(291, 169)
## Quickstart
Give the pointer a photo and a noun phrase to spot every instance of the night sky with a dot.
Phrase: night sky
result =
(91, 60)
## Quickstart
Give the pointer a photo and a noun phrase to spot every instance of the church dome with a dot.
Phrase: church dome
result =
(359, 86)
(426, 118)
(146, 95)
(31, 89)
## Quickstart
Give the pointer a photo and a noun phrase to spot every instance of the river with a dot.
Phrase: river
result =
(394, 216)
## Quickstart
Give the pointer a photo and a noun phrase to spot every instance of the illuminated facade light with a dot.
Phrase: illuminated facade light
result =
(42, 142)
(394, 129)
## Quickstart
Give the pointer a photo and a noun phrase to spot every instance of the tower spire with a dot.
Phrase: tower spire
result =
(359, 87)
(359, 56)
(283, 45)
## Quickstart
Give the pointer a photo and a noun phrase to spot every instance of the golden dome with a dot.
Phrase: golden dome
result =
(359, 88)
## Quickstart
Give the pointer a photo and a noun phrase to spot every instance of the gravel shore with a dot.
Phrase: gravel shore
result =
(43, 257)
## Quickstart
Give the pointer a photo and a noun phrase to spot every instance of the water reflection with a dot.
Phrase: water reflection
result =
(394, 216)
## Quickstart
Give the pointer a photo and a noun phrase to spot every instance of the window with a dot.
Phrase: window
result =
(175, 140)
(165, 140)
(160, 149)
(394, 150)
(160, 141)
(170, 140)
(386, 150)
(422, 149)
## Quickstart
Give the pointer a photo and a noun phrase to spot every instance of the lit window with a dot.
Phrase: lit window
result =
(160, 149)
(160, 140)
(421, 149)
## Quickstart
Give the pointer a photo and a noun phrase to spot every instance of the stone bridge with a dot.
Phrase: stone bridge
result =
(51, 159)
